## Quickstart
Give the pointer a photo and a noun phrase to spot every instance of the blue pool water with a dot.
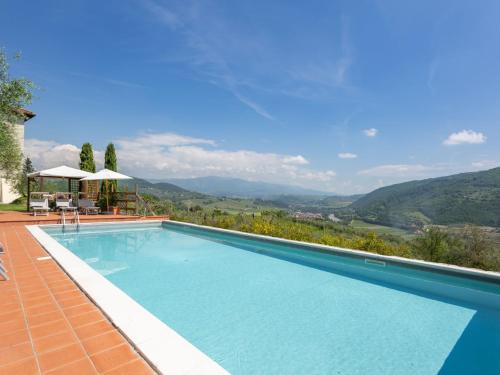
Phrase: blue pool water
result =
(261, 307)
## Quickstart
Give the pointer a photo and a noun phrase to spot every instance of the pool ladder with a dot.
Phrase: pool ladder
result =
(76, 218)
(3, 269)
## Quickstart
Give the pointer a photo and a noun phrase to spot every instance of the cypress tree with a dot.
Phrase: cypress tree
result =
(87, 162)
(111, 164)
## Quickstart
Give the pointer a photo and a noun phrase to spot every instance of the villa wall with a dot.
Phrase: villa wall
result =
(7, 193)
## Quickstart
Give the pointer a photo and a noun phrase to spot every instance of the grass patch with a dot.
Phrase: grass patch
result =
(13, 207)
(18, 205)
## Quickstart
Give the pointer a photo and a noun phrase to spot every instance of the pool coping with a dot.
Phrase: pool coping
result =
(162, 347)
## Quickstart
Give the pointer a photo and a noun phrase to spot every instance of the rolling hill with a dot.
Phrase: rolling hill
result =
(466, 198)
(235, 187)
(160, 189)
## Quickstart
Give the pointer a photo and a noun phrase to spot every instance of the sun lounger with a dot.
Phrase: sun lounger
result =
(40, 205)
(87, 207)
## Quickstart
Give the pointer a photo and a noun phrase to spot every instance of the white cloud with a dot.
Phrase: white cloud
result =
(372, 132)
(347, 155)
(298, 160)
(465, 136)
(167, 155)
(47, 154)
(485, 164)
(397, 170)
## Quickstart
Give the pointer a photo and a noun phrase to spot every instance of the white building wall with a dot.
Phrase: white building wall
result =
(8, 194)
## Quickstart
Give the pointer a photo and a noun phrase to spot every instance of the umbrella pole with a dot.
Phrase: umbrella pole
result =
(29, 196)
(107, 195)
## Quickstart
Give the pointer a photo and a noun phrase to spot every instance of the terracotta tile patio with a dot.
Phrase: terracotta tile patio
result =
(15, 217)
(48, 325)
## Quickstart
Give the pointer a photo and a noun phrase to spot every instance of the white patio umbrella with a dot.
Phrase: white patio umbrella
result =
(61, 172)
(106, 175)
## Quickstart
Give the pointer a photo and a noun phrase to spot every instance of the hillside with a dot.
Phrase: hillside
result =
(161, 190)
(235, 187)
(466, 198)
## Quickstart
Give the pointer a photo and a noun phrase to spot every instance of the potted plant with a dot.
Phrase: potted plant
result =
(113, 207)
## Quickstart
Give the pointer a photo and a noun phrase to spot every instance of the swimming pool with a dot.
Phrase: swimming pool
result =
(259, 306)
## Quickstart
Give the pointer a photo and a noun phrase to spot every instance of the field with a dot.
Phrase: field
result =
(382, 229)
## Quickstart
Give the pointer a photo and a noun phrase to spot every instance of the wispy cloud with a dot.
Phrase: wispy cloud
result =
(255, 66)
(347, 155)
(251, 104)
(397, 170)
(465, 137)
(111, 81)
(431, 74)
(168, 17)
(207, 58)
(117, 82)
(329, 73)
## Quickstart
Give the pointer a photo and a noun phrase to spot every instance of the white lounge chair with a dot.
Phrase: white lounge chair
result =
(88, 207)
(39, 204)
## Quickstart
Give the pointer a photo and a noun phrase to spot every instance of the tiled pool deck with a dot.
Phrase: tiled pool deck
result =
(54, 218)
(47, 324)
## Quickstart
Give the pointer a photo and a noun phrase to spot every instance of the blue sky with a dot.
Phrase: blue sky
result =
(341, 96)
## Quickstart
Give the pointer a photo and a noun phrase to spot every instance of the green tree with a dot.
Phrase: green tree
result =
(477, 250)
(111, 164)
(87, 162)
(22, 183)
(15, 93)
(434, 245)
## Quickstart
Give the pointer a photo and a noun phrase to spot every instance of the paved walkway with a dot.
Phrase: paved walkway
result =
(48, 325)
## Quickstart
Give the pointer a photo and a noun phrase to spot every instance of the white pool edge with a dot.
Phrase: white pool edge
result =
(166, 350)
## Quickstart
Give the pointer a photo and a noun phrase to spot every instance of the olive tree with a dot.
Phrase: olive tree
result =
(15, 93)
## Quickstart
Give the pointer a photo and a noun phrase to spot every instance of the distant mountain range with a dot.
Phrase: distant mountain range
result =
(235, 187)
(472, 198)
